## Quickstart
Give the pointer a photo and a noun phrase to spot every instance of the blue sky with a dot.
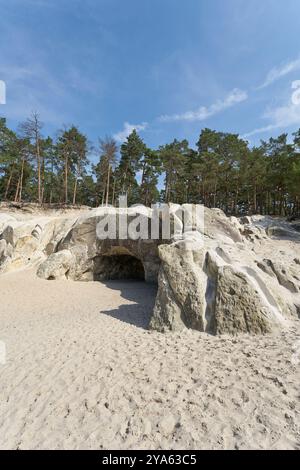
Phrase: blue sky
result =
(167, 67)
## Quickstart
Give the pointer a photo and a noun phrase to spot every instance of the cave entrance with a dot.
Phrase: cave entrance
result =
(118, 267)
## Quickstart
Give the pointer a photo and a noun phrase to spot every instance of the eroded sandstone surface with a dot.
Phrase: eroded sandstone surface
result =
(228, 276)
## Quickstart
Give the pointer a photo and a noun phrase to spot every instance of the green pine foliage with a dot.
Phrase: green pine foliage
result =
(222, 171)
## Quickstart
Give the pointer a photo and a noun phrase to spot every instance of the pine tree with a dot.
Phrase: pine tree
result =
(108, 149)
(131, 152)
(173, 157)
(151, 169)
(72, 152)
(223, 171)
(31, 129)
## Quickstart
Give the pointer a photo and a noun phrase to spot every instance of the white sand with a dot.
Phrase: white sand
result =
(82, 372)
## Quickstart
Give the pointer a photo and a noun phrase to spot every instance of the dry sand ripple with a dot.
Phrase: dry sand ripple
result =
(83, 372)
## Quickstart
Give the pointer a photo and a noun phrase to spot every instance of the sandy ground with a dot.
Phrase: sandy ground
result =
(82, 372)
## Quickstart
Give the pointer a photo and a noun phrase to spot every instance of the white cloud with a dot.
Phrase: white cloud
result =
(260, 130)
(2, 92)
(234, 97)
(282, 116)
(128, 128)
(278, 72)
(33, 89)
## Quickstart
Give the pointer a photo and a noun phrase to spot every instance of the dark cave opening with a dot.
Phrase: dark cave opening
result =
(117, 267)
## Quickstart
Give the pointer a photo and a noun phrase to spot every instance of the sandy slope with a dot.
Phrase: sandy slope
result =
(83, 372)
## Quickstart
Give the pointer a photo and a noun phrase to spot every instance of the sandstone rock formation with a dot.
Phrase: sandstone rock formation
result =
(227, 276)
(57, 266)
(217, 289)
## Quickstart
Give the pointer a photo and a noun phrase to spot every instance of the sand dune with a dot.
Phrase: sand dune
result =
(82, 372)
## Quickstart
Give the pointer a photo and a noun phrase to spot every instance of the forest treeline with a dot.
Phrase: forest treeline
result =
(221, 171)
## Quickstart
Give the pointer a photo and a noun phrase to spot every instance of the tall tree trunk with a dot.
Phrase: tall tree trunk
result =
(21, 179)
(255, 199)
(66, 179)
(51, 181)
(8, 182)
(114, 190)
(17, 190)
(167, 188)
(125, 178)
(107, 187)
(42, 179)
(39, 168)
(76, 181)
(215, 194)
(235, 204)
(143, 174)
(75, 191)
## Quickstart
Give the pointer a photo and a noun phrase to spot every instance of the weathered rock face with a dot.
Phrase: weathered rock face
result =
(34, 240)
(207, 291)
(30, 238)
(103, 259)
(181, 291)
(238, 305)
(228, 276)
(223, 285)
(57, 266)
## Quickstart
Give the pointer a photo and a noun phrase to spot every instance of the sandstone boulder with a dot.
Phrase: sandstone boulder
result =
(57, 266)
(204, 289)
(181, 292)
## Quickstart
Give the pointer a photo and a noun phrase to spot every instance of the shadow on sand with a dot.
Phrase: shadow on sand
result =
(143, 297)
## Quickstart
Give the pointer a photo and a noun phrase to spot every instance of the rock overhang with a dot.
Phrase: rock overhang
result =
(214, 278)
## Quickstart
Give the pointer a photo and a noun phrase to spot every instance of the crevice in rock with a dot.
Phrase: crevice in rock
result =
(210, 296)
(262, 287)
